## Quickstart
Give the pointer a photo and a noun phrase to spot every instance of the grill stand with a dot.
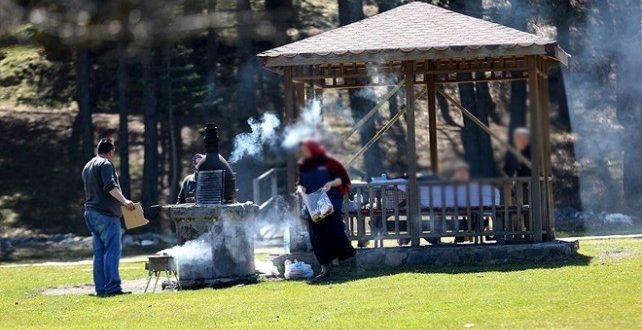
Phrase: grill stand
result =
(157, 274)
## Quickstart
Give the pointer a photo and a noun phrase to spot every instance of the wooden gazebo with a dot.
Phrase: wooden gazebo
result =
(426, 46)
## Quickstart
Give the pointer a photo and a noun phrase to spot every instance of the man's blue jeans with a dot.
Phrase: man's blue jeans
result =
(106, 233)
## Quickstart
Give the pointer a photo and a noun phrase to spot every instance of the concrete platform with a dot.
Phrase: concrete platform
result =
(446, 255)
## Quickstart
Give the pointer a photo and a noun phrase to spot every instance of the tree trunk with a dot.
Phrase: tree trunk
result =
(350, 11)
(397, 163)
(469, 131)
(361, 100)
(445, 110)
(567, 183)
(398, 133)
(483, 109)
(478, 151)
(517, 105)
(211, 75)
(83, 81)
(385, 5)
(174, 161)
(486, 101)
(476, 98)
(360, 105)
(628, 64)
(246, 89)
(123, 131)
(484, 106)
(150, 167)
(557, 88)
(283, 15)
(518, 18)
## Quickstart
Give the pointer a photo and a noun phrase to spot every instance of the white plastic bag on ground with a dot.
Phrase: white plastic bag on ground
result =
(318, 204)
(297, 270)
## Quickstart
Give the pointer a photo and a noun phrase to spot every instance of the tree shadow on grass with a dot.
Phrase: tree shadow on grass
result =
(349, 274)
(41, 187)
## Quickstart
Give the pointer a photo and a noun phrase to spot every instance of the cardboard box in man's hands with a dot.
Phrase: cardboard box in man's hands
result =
(134, 218)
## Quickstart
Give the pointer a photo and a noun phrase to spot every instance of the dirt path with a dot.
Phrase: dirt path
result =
(267, 251)
(593, 238)
(134, 286)
(138, 258)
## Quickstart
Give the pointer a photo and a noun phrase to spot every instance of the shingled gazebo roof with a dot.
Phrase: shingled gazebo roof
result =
(415, 31)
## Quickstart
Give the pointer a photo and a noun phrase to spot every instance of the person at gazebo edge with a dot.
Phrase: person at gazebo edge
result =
(188, 187)
(513, 168)
(521, 140)
(318, 170)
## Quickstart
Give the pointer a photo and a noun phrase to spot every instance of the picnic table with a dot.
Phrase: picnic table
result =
(466, 204)
(438, 195)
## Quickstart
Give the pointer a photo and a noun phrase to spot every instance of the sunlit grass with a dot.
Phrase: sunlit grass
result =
(600, 289)
(29, 78)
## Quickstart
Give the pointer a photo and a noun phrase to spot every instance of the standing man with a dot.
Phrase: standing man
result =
(103, 201)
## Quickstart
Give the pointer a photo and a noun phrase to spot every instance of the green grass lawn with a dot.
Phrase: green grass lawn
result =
(600, 289)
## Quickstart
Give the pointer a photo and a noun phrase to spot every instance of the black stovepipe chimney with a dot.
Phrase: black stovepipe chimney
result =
(214, 161)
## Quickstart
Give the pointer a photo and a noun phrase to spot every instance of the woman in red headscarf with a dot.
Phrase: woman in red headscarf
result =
(318, 170)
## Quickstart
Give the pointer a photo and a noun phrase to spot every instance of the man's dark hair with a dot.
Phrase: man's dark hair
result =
(105, 146)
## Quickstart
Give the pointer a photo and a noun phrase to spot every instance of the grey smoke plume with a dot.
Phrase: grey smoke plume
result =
(263, 133)
(376, 76)
(591, 90)
(309, 125)
(591, 36)
(193, 253)
(195, 256)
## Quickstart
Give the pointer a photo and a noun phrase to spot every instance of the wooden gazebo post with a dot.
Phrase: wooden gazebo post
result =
(548, 222)
(548, 171)
(413, 187)
(541, 184)
(536, 146)
(289, 114)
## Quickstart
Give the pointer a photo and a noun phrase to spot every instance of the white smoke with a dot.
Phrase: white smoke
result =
(262, 133)
(310, 125)
(193, 255)
(265, 134)
(275, 219)
(197, 250)
(378, 77)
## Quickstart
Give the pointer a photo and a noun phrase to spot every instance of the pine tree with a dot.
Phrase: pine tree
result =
(628, 66)
(351, 11)
(181, 92)
(476, 98)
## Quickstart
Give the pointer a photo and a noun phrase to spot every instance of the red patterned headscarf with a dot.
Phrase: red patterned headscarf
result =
(321, 157)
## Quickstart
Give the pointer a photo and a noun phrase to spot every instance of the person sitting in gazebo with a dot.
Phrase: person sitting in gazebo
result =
(461, 174)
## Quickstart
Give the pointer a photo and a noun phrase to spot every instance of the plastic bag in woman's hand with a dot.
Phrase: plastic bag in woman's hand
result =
(318, 204)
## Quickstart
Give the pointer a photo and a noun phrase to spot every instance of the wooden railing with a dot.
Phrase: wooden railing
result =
(480, 210)
(265, 188)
